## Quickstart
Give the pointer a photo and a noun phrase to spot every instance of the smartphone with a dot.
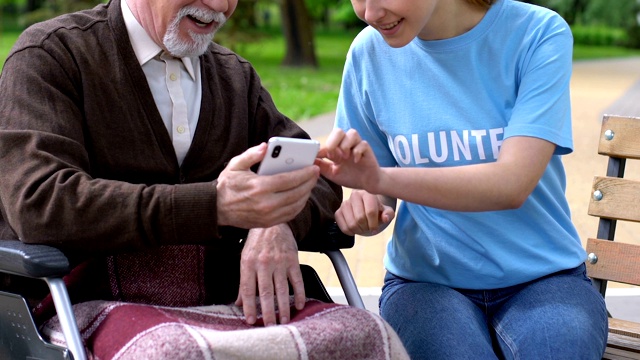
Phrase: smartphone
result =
(288, 154)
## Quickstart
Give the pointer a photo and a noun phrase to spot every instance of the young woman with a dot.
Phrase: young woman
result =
(461, 110)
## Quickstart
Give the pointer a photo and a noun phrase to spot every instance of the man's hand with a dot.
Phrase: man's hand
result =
(247, 200)
(269, 258)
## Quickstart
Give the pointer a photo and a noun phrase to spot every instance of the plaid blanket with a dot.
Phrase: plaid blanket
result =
(117, 330)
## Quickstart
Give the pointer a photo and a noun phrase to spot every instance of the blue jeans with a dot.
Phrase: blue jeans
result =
(560, 316)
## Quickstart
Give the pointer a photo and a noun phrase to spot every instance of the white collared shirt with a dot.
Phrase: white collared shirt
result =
(163, 78)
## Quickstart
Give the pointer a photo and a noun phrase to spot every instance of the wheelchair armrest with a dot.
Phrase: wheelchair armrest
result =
(49, 264)
(329, 240)
(39, 261)
(35, 261)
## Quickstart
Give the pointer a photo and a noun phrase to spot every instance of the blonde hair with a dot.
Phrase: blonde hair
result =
(482, 3)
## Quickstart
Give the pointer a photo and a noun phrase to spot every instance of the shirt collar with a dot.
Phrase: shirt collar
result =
(143, 46)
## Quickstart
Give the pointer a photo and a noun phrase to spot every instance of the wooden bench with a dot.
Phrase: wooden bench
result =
(616, 198)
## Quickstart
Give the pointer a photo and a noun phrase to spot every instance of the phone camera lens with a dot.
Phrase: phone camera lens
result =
(276, 151)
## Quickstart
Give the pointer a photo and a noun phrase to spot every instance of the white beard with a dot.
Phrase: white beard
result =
(198, 43)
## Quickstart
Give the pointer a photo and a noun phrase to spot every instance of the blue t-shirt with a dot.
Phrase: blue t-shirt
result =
(451, 103)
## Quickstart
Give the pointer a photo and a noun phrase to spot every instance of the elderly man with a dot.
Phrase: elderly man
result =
(127, 139)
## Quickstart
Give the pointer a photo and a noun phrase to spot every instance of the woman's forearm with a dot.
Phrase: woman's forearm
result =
(504, 184)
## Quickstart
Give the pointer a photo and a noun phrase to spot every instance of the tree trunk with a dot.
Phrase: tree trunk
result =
(298, 32)
(577, 11)
(33, 5)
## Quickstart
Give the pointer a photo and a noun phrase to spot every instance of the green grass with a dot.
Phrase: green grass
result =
(584, 52)
(301, 93)
(7, 39)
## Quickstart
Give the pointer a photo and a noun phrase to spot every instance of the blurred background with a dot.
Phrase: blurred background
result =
(298, 48)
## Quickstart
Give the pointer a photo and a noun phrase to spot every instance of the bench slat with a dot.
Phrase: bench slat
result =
(616, 261)
(622, 347)
(625, 134)
(620, 199)
(626, 328)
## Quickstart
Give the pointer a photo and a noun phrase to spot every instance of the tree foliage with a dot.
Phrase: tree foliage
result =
(33, 11)
(623, 15)
(299, 19)
(616, 13)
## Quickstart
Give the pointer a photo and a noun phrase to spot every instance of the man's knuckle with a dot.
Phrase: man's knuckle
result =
(296, 282)
(263, 260)
(266, 294)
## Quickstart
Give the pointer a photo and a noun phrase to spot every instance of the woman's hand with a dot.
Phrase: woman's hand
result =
(364, 214)
(349, 161)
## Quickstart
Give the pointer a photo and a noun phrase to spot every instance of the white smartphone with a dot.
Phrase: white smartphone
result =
(288, 154)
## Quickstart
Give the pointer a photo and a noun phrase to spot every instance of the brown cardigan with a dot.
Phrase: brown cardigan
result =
(87, 165)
